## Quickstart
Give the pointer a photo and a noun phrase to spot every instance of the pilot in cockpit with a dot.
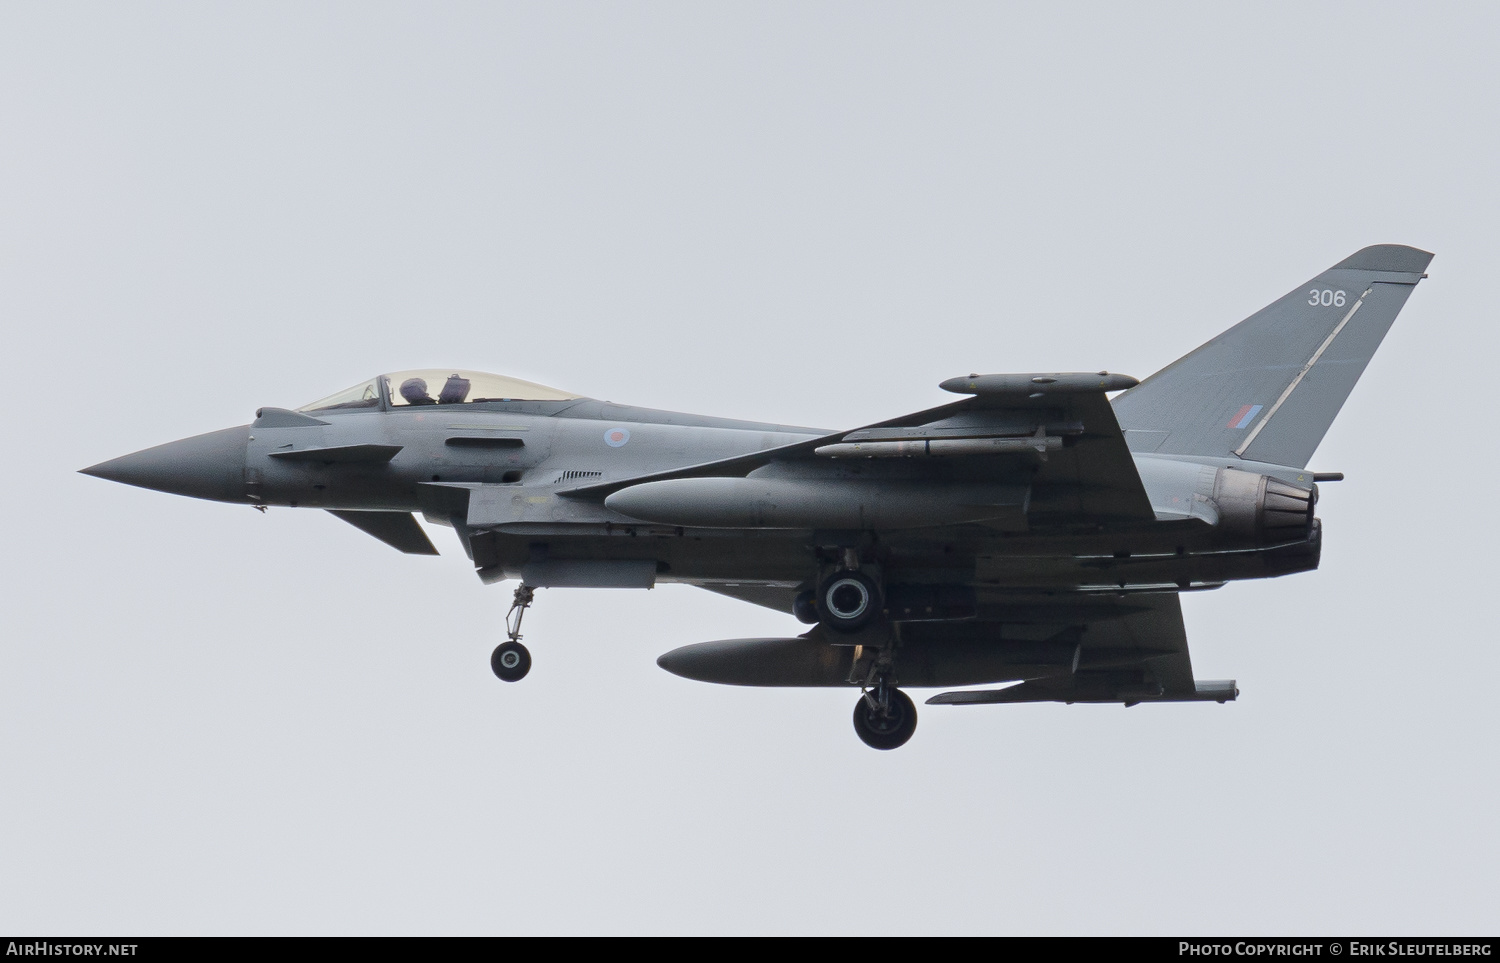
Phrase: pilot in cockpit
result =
(414, 390)
(455, 391)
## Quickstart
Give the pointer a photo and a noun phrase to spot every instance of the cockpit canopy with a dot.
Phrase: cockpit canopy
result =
(436, 386)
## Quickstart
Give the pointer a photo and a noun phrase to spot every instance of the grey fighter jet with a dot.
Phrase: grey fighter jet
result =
(1036, 532)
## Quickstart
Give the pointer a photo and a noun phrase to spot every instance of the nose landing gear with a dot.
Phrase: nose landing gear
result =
(511, 660)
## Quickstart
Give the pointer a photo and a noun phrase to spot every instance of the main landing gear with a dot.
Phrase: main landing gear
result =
(851, 600)
(884, 717)
(511, 660)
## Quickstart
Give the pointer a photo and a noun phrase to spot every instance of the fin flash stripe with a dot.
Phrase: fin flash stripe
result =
(1244, 416)
(1303, 373)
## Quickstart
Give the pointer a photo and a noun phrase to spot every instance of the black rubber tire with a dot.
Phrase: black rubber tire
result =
(891, 731)
(848, 601)
(805, 607)
(510, 661)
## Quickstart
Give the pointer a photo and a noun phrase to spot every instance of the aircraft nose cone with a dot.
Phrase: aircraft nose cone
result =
(204, 466)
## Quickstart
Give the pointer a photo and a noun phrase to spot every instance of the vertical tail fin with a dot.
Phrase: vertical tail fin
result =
(1269, 387)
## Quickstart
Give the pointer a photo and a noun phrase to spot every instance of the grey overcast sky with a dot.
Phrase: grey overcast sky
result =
(217, 721)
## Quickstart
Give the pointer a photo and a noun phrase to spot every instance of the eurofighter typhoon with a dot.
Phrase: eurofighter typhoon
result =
(1035, 533)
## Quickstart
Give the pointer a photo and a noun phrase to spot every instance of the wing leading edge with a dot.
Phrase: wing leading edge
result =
(1057, 433)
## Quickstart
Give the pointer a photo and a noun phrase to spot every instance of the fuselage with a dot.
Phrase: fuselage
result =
(500, 474)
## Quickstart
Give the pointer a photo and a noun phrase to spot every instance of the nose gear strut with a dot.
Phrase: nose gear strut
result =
(511, 660)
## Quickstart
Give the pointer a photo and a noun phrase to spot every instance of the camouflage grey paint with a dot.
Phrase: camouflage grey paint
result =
(1032, 531)
(1288, 367)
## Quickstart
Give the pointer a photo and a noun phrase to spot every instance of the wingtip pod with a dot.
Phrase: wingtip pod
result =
(1395, 258)
(1031, 385)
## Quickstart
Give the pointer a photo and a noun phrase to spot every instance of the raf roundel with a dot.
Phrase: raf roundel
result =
(616, 437)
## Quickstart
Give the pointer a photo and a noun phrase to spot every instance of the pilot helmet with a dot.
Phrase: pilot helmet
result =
(414, 390)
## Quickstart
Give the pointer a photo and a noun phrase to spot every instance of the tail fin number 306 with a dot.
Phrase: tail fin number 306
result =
(1326, 297)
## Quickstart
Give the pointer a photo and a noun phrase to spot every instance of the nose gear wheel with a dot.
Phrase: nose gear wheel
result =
(510, 661)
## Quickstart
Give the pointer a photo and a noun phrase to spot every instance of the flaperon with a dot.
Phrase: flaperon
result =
(1035, 532)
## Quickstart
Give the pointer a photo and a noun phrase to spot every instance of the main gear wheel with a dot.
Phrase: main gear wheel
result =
(887, 726)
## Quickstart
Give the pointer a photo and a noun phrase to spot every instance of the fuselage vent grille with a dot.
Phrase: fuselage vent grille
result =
(574, 475)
